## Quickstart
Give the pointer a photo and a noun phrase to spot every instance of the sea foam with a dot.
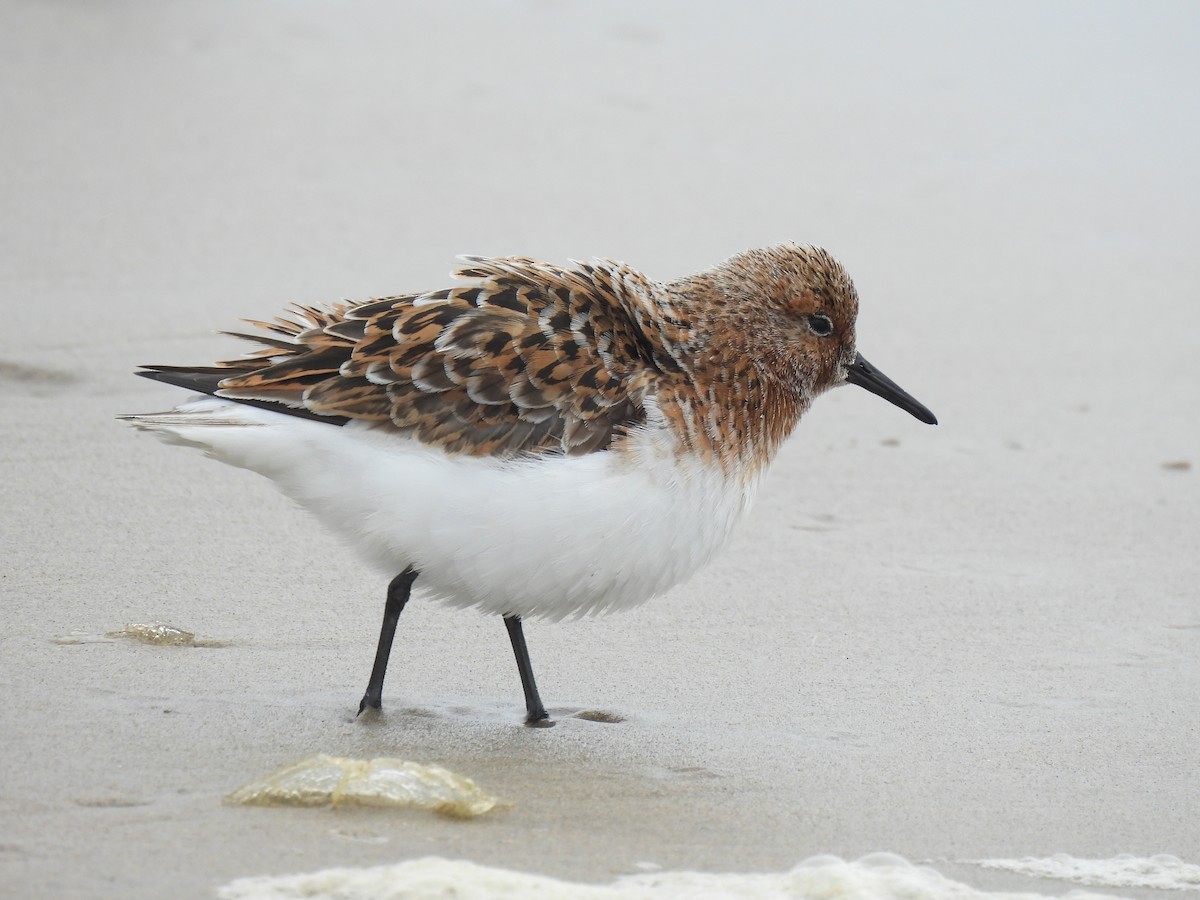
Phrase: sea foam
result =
(880, 876)
(1163, 872)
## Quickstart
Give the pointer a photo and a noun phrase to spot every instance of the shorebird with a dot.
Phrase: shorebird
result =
(536, 440)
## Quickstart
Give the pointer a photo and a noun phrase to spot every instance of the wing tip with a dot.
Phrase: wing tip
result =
(205, 382)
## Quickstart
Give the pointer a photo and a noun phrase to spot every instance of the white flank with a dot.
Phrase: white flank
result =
(547, 537)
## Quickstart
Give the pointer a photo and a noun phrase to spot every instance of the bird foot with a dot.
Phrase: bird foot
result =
(369, 702)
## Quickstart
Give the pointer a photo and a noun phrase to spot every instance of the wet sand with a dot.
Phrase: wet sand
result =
(975, 641)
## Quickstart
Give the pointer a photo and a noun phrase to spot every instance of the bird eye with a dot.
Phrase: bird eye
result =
(821, 325)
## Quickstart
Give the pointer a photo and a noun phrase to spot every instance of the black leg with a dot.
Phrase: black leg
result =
(397, 596)
(534, 711)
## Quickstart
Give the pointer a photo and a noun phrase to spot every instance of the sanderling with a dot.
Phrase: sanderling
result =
(535, 441)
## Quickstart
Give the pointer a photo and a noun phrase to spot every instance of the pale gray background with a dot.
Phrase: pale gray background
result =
(976, 640)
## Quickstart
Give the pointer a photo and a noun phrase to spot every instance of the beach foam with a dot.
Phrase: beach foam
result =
(321, 779)
(1163, 872)
(880, 876)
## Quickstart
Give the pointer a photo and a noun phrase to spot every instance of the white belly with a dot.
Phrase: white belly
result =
(548, 537)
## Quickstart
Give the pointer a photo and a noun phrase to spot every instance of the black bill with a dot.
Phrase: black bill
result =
(867, 376)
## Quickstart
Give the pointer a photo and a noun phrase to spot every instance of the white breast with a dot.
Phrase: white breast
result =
(547, 537)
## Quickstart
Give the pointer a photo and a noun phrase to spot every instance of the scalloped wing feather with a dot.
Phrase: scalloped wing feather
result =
(529, 359)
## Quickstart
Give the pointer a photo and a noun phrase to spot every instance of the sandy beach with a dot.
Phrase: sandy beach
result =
(970, 642)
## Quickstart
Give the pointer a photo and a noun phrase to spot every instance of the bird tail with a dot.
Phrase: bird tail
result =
(192, 424)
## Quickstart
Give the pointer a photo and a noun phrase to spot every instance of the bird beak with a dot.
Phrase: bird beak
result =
(865, 375)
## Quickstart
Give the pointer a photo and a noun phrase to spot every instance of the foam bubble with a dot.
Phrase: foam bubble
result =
(880, 876)
(321, 779)
(1166, 873)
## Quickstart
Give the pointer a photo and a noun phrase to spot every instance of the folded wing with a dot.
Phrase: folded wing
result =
(527, 358)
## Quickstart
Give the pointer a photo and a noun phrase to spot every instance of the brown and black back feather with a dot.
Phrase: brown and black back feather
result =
(528, 359)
